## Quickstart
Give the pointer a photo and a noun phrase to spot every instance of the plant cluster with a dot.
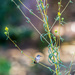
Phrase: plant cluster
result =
(53, 43)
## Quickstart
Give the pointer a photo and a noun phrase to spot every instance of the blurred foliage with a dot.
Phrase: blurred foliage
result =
(8, 15)
(4, 66)
(41, 45)
(20, 33)
(11, 17)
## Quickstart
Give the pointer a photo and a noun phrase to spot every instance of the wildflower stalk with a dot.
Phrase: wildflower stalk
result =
(65, 6)
(43, 11)
(46, 22)
(61, 14)
(35, 27)
(31, 11)
(49, 37)
(71, 63)
(40, 9)
(31, 22)
(58, 40)
(46, 8)
(6, 33)
(47, 28)
(18, 48)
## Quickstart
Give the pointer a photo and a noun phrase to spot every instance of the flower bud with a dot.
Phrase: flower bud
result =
(6, 28)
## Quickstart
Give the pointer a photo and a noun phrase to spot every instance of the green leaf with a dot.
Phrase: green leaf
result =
(22, 52)
(7, 38)
(15, 45)
(70, 1)
(18, 6)
(31, 12)
(57, 18)
(61, 39)
(62, 65)
(27, 20)
(50, 69)
(47, 5)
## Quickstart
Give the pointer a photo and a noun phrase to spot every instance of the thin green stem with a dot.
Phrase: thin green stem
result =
(71, 64)
(46, 22)
(18, 47)
(46, 7)
(61, 14)
(40, 9)
(65, 7)
(26, 54)
(31, 23)
(31, 11)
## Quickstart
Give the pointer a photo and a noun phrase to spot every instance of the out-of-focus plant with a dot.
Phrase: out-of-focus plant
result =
(8, 17)
(53, 43)
(4, 66)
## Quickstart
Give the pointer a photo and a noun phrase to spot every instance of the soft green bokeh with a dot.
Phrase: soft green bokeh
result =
(9, 16)
(4, 66)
